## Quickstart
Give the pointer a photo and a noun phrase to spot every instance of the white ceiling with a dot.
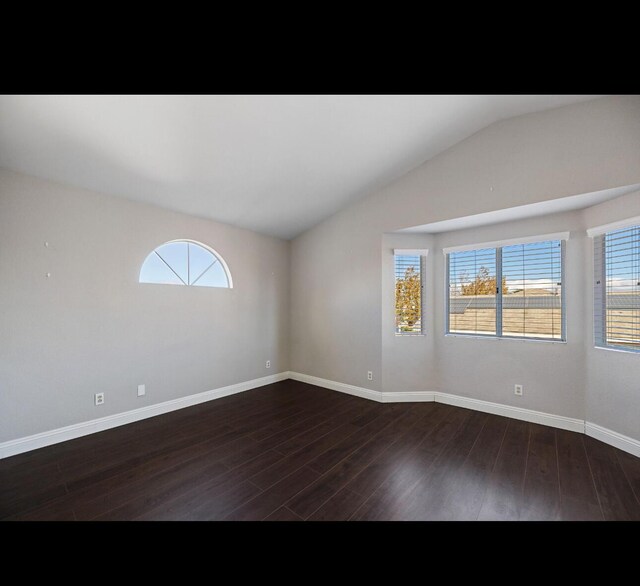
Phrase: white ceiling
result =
(274, 164)
(542, 208)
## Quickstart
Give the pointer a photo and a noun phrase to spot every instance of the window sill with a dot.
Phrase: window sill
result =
(611, 349)
(407, 335)
(509, 338)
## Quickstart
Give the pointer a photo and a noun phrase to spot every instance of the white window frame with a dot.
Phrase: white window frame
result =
(600, 283)
(498, 245)
(422, 253)
(218, 258)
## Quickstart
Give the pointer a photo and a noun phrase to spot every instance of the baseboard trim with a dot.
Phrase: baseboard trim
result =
(613, 438)
(559, 421)
(380, 397)
(54, 436)
(408, 397)
(529, 415)
(336, 386)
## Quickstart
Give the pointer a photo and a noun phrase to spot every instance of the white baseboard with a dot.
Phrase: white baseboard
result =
(47, 438)
(380, 397)
(409, 397)
(530, 415)
(613, 438)
(335, 386)
(559, 421)
(39, 440)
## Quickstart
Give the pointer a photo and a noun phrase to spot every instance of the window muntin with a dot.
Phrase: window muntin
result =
(617, 289)
(408, 294)
(510, 291)
(185, 262)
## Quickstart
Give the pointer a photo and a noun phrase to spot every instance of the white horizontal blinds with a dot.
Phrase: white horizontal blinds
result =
(532, 290)
(408, 301)
(621, 307)
(515, 290)
(472, 291)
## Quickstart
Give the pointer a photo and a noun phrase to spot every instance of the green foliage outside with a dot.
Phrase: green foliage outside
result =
(408, 300)
(483, 284)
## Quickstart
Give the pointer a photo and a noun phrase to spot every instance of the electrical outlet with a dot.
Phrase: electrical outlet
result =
(99, 398)
(369, 375)
(518, 390)
(268, 364)
(142, 390)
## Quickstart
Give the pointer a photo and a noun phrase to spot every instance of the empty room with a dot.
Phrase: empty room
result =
(320, 308)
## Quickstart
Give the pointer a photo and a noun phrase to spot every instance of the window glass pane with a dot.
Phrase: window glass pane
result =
(175, 255)
(213, 277)
(185, 263)
(200, 259)
(622, 257)
(408, 280)
(155, 271)
(532, 290)
(472, 291)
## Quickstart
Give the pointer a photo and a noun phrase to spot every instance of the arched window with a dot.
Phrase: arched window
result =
(185, 262)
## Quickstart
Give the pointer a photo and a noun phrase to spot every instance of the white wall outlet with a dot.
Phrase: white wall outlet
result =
(99, 398)
(369, 375)
(517, 390)
(142, 390)
(268, 363)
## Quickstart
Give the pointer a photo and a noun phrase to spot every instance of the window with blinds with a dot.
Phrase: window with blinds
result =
(511, 291)
(408, 296)
(532, 304)
(472, 292)
(617, 289)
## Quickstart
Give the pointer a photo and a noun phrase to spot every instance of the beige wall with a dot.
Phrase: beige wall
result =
(337, 267)
(91, 327)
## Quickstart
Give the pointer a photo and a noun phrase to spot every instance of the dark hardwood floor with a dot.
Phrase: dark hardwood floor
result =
(291, 452)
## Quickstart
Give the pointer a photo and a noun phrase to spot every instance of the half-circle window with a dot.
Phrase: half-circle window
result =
(185, 262)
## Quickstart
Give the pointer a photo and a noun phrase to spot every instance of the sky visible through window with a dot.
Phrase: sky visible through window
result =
(622, 276)
(537, 273)
(184, 263)
(623, 263)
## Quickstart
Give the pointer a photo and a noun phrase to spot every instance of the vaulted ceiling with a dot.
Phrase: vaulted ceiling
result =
(274, 164)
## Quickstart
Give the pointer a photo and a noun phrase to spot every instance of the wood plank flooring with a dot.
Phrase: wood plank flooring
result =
(293, 452)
